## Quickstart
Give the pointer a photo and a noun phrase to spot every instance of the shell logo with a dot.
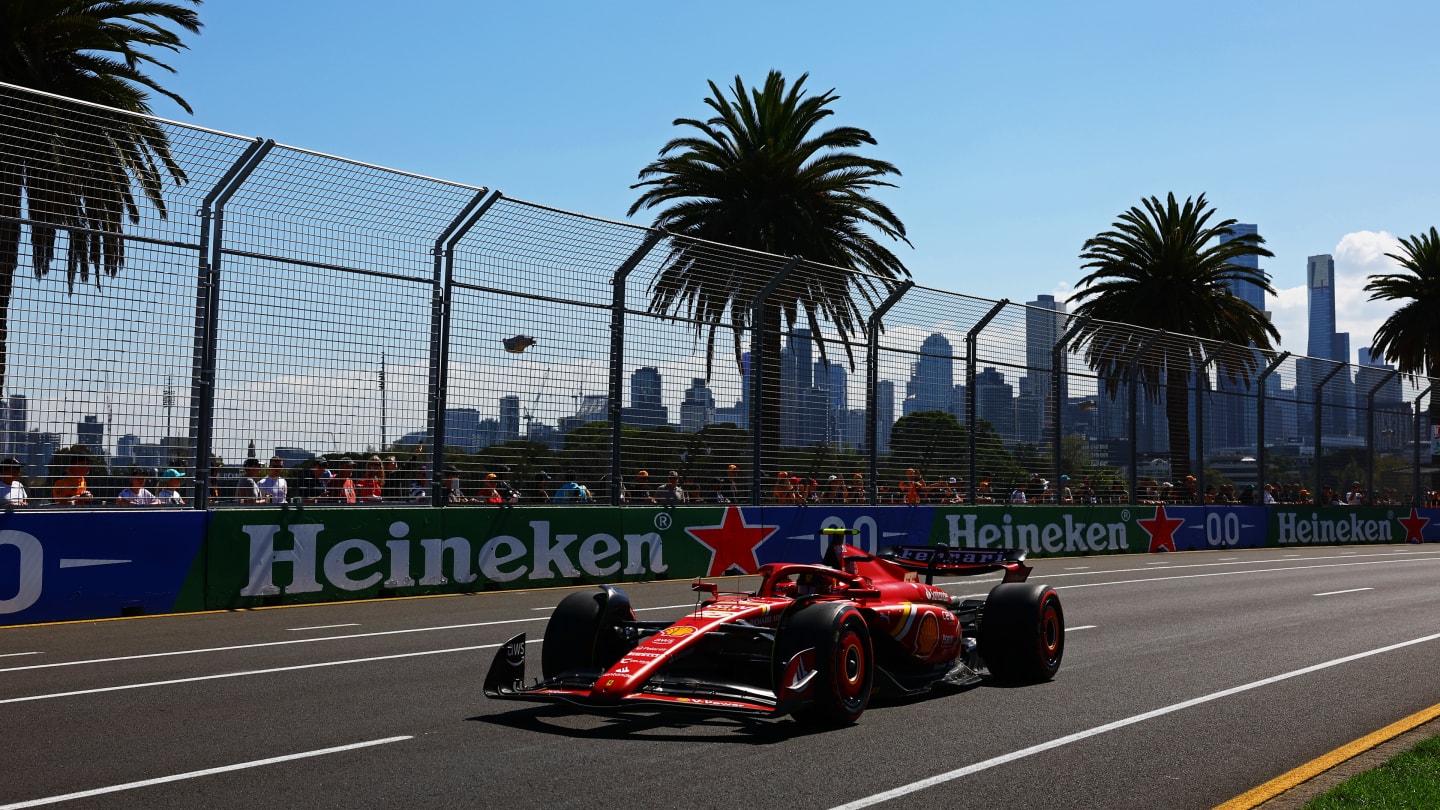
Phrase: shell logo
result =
(927, 635)
(678, 631)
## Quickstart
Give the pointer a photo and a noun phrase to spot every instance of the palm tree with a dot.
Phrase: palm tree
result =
(75, 171)
(1410, 338)
(756, 175)
(1164, 266)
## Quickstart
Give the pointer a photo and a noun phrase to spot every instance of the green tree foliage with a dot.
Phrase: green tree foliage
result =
(1410, 337)
(757, 175)
(1163, 266)
(72, 172)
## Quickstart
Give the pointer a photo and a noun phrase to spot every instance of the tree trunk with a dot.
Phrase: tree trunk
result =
(766, 385)
(1177, 415)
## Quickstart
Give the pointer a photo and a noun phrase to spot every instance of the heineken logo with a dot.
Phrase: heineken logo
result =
(1063, 536)
(303, 558)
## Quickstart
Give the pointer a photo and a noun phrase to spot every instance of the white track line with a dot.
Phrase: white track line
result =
(14, 655)
(269, 644)
(245, 673)
(255, 763)
(321, 627)
(1081, 627)
(1352, 590)
(1224, 574)
(939, 779)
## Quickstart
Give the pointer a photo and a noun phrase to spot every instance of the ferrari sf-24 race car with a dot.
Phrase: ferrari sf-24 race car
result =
(813, 641)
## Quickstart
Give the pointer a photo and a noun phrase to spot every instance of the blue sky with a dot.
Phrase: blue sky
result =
(1020, 129)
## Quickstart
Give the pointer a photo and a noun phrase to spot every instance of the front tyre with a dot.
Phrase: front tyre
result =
(1022, 632)
(582, 635)
(843, 661)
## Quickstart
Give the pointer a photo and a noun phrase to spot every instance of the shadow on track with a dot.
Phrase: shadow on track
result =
(658, 726)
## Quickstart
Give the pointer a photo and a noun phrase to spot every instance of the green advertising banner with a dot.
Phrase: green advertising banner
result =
(290, 556)
(287, 556)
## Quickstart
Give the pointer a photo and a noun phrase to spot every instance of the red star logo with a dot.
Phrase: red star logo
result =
(732, 544)
(1414, 526)
(1161, 530)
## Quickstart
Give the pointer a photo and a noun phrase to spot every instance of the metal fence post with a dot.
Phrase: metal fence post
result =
(1370, 436)
(971, 338)
(616, 386)
(1419, 501)
(757, 367)
(440, 292)
(1319, 405)
(207, 313)
(1260, 424)
(1202, 387)
(1131, 371)
(872, 383)
(1057, 368)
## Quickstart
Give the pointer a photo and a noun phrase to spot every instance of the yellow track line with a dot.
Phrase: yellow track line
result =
(1317, 766)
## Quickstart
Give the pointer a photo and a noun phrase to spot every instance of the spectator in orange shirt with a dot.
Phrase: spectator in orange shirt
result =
(784, 489)
(911, 487)
(70, 490)
(368, 488)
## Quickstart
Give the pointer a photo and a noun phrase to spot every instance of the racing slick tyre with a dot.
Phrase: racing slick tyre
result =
(844, 661)
(582, 632)
(1022, 632)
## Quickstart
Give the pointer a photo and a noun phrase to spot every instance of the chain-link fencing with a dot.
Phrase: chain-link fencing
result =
(234, 313)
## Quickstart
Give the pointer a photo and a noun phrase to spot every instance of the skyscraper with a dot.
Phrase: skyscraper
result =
(647, 407)
(995, 402)
(509, 418)
(16, 425)
(1243, 289)
(932, 377)
(1325, 343)
(697, 409)
(884, 415)
(1230, 412)
(1044, 324)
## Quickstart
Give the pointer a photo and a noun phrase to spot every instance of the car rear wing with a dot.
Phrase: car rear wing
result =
(942, 559)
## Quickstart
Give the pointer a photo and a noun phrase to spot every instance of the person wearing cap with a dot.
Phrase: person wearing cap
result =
(671, 493)
(1066, 496)
(541, 487)
(730, 486)
(856, 490)
(169, 494)
(453, 493)
(642, 488)
(393, 483)
(982, 492)
(571, 491)
(911, 487)
(784, 491)
(836, 490)
(13, 492)
(136, 494)
(246, 489)
(315, 486)
(273, 487)
(953, 491)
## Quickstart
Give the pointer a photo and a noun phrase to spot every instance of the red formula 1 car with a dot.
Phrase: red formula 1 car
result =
(813, 641)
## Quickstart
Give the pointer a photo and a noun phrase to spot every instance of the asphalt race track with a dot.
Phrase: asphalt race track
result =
(1188, 679)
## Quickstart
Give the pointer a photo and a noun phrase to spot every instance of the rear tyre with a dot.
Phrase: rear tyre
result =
(582, 634)
(844, 661)
(1022, 632)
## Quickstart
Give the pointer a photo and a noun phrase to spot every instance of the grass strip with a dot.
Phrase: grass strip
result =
(1408, 780)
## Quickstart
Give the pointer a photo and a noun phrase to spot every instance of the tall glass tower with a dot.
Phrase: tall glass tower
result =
(932, 378)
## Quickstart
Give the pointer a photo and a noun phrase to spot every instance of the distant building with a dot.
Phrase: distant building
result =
(647, 406)
(90, 432)
(509, 419)
(16, 425)
(697, 409)
(994, 402)
(932, 378)
(884, 415)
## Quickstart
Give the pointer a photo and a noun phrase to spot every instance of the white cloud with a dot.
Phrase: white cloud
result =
(1358, 256)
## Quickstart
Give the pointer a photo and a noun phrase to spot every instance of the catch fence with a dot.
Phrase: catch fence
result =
(285, 303)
